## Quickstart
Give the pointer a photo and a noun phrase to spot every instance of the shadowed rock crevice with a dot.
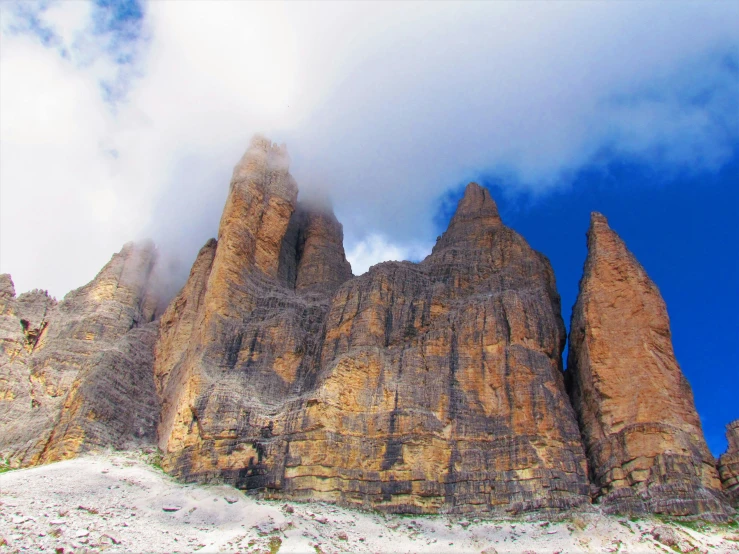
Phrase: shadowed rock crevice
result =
(311, 255)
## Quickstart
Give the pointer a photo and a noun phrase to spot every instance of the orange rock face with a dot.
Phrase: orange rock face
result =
(643, 437)
(76, 375)
(729, 464)
(432, 387)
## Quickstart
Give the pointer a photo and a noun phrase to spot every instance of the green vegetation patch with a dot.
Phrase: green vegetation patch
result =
(274, 545)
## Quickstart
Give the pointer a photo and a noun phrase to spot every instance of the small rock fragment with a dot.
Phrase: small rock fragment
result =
(170, 508)
(112, 539)
(665, 535)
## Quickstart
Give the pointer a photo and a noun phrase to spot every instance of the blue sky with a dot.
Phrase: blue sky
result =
(122, 120)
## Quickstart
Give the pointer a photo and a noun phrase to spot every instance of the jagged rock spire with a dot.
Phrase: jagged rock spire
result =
(476, 215)
(258, 208)
(636, 411)
(476, 204)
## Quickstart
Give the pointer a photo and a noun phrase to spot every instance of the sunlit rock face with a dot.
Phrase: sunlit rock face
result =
(76, 375)
(729, 464)
(643, 437)
(431, 387)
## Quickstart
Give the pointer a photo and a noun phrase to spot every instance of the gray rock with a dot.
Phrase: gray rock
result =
(76, 376)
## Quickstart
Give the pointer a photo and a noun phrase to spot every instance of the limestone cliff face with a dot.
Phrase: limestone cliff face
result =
(729, 464)
(416, 387)
(440, 385)
(643, 437)
(76, 375)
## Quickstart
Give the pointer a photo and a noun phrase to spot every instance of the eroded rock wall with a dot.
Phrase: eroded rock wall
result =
(76, 375)
(440, 385)
(643, 436)
(416, 387)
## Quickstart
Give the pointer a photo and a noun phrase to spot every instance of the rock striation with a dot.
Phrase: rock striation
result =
(76, 375)
(729, 464)
(642, 434)
(431, 387)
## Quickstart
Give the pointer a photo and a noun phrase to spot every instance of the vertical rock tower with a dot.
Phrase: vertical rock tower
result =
(729, 464)
(641, 431)
(242, 339)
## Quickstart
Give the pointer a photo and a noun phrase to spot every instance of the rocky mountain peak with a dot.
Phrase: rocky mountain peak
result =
(126, 280)
(473, 221)
(268, 164)
(597, 218)
(476, 208)
(635, 407)
(285, 373)
(78, 372)
(601, 238)
(262, 198)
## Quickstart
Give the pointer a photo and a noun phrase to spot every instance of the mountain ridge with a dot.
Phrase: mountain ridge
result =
(416, 388)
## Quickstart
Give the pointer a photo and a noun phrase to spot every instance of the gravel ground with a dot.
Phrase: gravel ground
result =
(119, 503)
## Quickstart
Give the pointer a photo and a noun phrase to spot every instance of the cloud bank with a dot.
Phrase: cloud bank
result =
(121, 120)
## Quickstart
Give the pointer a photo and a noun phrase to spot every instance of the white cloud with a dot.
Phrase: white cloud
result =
(68, 19)
(384, 105)
(377, 248)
